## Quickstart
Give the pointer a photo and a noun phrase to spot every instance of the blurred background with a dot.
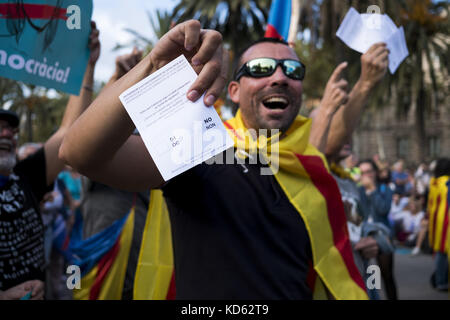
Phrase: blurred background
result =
(407, 118)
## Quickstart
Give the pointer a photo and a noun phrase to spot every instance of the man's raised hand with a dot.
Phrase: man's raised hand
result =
(335, 93)
(374, 64)
(203, 49)
(94, 44)
(126, 62)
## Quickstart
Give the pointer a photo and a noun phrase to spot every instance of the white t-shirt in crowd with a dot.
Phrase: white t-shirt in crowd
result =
(410, 222)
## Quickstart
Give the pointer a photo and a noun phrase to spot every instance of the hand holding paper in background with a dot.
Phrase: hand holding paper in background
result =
(361, 31)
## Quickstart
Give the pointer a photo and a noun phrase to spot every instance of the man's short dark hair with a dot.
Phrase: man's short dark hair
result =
(372, 163)
(442, 167)
(261, 40)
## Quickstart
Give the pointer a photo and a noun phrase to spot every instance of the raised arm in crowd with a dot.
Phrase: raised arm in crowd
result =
(338, 114)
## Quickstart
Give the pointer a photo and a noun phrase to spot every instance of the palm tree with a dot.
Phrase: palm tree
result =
(420, 79)
(47, 116)
(32, 99)
(160, 26)
(239, 21)
(10, 90)
(422, 76)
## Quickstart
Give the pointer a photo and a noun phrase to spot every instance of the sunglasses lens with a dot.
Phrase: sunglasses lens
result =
(261, 67)
(294, 69)
(264, 67)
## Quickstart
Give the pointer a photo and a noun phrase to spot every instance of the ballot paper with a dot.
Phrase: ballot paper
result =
(361, 31)
(178, 133)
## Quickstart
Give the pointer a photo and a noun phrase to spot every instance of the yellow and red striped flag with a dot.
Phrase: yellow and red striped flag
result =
(437, 212)
(103, 259)
(305, 178)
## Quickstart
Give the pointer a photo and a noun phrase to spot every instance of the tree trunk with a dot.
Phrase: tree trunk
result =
(326, 10)
(420, 124)
(379, 137)
(235, 49)
(29, 124)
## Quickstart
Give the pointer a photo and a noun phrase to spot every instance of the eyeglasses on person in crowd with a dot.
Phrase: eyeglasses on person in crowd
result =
(9, 128)
(367, 171)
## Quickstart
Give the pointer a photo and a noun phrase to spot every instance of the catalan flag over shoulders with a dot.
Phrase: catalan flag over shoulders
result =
(102, 258)
(437, 211)
(304, 177)
(279, 19)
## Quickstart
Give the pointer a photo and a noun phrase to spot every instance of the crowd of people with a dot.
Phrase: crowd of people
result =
(400, 203)
(309, 230)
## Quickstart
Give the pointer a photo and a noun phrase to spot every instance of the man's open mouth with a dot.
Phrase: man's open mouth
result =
(276, 103)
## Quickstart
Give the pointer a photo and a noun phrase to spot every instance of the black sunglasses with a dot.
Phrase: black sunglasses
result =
(265, 67)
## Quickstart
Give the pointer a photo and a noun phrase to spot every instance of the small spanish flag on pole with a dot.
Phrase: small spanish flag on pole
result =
(279, 20)
(283, 20)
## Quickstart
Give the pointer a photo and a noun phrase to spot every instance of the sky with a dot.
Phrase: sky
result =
(112, 17)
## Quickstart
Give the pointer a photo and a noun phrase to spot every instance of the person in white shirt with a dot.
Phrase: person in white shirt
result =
(398, 205)
(410, 221)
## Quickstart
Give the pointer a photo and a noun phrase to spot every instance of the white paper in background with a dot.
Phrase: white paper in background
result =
(349, 30)
(178, 133)
(397, 46)
(389, 24)
(361, 31)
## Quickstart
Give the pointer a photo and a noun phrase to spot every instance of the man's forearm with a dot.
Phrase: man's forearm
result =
(320, 129)
(347, 117)
(111, 80)
(75, 107)
(77, 104)
(374, 64)
(108, 122)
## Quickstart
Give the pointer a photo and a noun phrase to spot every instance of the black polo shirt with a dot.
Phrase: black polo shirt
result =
(236, 235)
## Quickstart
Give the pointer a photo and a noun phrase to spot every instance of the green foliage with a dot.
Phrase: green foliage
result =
(160, 26)
(40, 115)
(239, 21)
(427, 29)
(47, 117)
(319, 66)
(420, 80)
(10, 90)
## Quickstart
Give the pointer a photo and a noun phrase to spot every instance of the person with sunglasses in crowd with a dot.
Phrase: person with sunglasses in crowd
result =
(237, 233)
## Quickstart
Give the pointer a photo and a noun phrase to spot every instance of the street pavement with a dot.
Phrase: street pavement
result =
(412, 274)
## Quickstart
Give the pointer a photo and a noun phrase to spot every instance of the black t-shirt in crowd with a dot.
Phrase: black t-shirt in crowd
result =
(21, 228)
(236, 235)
